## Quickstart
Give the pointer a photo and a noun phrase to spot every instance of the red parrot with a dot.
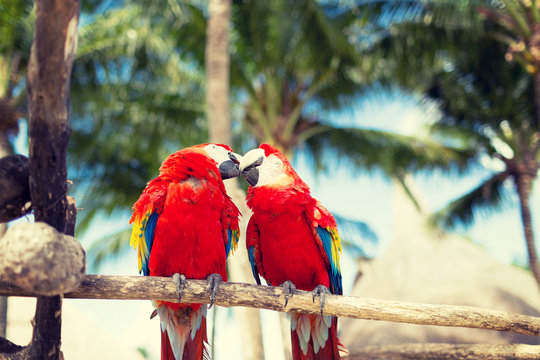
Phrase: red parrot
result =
(293, 240)
(185, 223)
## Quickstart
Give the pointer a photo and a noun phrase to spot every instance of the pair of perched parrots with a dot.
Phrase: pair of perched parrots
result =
(185, 225)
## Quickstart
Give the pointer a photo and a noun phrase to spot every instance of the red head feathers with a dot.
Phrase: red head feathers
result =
(199, 161)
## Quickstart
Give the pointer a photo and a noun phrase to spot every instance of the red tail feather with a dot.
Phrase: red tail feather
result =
(329, 352)
(166, 350)
(195, 349)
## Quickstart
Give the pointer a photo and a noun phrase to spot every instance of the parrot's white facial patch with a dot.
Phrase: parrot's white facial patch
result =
(271, 170)
(217, 153)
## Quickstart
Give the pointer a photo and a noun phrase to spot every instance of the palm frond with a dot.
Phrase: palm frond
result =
(390, 152)
(134, 100)
(357, 237)
(408, 49)
(108, 247)
(16, 25)
(517, 11)
(401, 180)
(485, 198)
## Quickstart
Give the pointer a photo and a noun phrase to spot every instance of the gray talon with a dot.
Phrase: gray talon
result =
(289, 289)
(180, 282)
(213, 281)
(321, 291)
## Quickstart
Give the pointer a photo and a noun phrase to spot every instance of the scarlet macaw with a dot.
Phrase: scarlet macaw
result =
(185, 223)
(292, 240)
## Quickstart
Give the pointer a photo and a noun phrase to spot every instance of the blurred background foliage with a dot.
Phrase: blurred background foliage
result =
(138, 88)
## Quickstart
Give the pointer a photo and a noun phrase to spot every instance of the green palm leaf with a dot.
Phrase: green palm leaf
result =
(390, 152)
(108, 247)
(134, 101)
(357, 237)
(484, 199)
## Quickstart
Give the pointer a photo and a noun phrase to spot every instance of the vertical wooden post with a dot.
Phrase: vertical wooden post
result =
(48, 80)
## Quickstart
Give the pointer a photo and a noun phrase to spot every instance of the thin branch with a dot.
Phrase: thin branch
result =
(268, 297)
(446, 351)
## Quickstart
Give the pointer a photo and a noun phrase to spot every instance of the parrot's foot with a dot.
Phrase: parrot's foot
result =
(321, 291)
(213, 281)
(180, 282)
(289, 289)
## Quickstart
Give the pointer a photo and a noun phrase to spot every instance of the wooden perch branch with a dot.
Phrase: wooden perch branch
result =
(268, 297)
(447, 351)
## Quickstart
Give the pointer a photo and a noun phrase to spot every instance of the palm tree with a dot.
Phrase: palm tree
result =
(521, 21)
(503, 128)
(486, 104)
(134, 101)
(298, 62)
(295, 63)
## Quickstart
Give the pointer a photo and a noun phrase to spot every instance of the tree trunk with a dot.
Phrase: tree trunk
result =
(48, 80)
(220, 131)
(3, 299)
(524, 185)
(534, 43)
(217, 71)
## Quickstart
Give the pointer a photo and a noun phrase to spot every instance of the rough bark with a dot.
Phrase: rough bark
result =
(220, 131)
(3, 299)
(49, 71)
(36, 257)
(7, 346)
(447, 351)
(272, 298)
(15, 195)
(536, 76)
(524, 186)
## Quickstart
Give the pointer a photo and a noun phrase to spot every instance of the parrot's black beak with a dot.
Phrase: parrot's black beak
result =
(229, 169)
(234, 157)
(251, 173)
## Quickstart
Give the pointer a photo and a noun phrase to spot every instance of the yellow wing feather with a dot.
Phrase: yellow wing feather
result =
(138, 240)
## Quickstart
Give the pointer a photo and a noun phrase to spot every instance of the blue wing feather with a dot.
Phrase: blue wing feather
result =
(335, 271)
(253, 265)
(149, 229)
(228, 243)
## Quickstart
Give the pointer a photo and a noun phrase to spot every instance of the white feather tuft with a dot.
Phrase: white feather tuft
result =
(179, 324)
